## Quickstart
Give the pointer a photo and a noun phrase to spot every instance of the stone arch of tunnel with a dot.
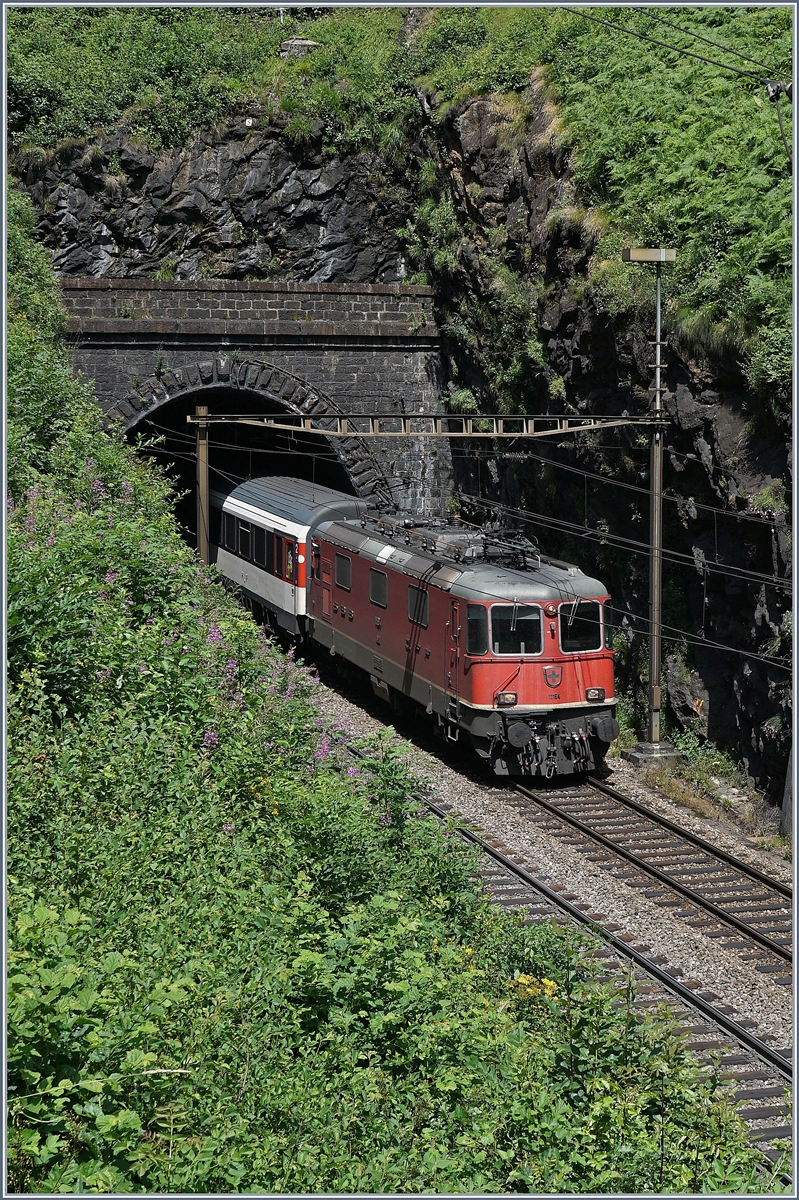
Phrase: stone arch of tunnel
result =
(157, 410)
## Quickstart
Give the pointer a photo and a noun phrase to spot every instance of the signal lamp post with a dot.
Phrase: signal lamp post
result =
(653, 747)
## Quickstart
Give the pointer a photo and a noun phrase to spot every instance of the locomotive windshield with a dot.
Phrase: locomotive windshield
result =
(515, 629)
(580, 627)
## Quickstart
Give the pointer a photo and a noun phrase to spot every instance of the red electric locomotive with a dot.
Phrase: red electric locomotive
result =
(495, 642)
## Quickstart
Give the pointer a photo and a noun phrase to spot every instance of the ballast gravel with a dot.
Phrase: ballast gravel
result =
(723, 971)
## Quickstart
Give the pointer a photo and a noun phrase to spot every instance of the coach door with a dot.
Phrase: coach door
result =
(327, 597)
(452, 662)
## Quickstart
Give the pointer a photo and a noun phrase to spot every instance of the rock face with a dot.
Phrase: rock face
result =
(244, 203)
(241, 204)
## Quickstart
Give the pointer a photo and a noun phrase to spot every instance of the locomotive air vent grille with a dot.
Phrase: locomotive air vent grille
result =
(418, 566)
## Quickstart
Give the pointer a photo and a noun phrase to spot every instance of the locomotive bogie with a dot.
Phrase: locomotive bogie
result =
(514, 661)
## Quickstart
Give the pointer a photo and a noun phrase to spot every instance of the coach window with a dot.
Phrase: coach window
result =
(230, 532)
(258, 546)
(344, 572)
(290, 561)
(378, 588)
(278, 555)
(580, 627)
(215, 532)
(476, 629)
(245, 539)
(515, 629)
(418, 606)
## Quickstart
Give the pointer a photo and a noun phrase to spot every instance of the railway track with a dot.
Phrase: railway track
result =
(719, 895)
(760, 1073)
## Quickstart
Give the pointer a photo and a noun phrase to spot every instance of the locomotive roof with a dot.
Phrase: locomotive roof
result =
(296, 500)
(470, 580)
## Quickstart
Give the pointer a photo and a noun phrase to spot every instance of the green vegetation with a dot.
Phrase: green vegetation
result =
(674, 151)
(238, 961)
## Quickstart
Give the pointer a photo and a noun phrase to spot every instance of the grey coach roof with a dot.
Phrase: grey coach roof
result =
(297, 500)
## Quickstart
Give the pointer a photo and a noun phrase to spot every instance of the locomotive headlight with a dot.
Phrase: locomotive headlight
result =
(595, 693)
(507, 698)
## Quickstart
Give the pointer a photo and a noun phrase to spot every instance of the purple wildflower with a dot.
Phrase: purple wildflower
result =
(385, 819)
(231, 667)
(102, 594)
(228, 827)
(142, 668)
(353, 772)
(111, 577)
(10, 503)
(30, 522)
(97, 486)
(51, 541)
(323, 750)
(104, 675)
(210, 740)
(214, 634)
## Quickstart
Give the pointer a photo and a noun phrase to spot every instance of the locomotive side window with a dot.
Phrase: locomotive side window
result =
(344, 572)
(515, 629)
(580, 626)
(229, 528)
(270, 552)
(259, 546)
(378, 588)
(290, 561)
(278, 555)
(245, 539)
(418, 606)
(476, 629)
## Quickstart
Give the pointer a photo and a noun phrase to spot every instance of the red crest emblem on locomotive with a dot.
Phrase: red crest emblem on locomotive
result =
(553, 676)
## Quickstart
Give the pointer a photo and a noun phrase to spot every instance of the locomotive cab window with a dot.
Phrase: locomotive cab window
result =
(418, 606)
(278, 555)
(580, 626)
(515, 629)
(476, 629)
(378, 588)
(344, 572)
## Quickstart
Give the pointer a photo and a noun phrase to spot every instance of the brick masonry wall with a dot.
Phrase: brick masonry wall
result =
(226, 300)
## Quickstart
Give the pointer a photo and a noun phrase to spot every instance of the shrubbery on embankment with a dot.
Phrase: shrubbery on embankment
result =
(235, 961)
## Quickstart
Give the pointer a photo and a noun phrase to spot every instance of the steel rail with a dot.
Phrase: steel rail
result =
(662, 876)
(689, 997)
(783, 888)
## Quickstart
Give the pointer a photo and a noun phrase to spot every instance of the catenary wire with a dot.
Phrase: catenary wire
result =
(755, 518)
(636, 547)
(665, 45)
(675, 557)
(708, 41)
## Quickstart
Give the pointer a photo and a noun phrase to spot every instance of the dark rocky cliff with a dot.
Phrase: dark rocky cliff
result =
(242, 202)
